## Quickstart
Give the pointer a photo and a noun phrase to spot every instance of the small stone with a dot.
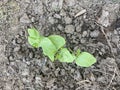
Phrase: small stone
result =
(72, 70)
(69, 29)
(31, 55)
(11, 58)
(104, 20)
(27, 62)
(95, 33)
(51, 20)
(78, 28)
(84, 34)
(60, 27)
(62, 72)
(68, 20)
(21, 33)
(8, 86)
(103, 50)
(115, 32)
(38, 80)
(39, 9)
(24, 80)
(109, 14)
(57, 16)
(14, 42)
(114, 50)
(16, 49)
(24, 19)
(62, 13)
(25, 72)
(101, 79)
(50, 83)
(70, 2)
(55, 6)
(33, 19)
(115, 39)
(19, 40)
(57, 71)
(82, 40)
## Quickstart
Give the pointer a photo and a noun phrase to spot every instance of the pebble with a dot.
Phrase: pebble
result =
(32, 19)
(70, 2)
(38, 79)
(16, 49)
(101, 79)
(11, 58)
(69, 29)
(60, 27)
(114, 50)
(109, 14)
(62, 72)
(31, 55)
(19, 40)
(14, 42)
(84, 34)
(78, 28)
(57, 16)
(24, 19)
(55, 6)
(68, 20)
(27, 62)
(51, 20)
(62, 13)
(82, 40)
(25, 72)
(95, 33)
(115, 39)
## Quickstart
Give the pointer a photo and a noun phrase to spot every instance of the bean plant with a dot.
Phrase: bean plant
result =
(53, 47)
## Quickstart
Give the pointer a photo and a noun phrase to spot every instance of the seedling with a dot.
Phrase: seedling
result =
(53, 46)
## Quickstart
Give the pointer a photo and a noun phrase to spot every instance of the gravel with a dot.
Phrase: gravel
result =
(69, 29)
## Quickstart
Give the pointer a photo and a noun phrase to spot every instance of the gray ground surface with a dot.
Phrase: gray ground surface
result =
(91, 25)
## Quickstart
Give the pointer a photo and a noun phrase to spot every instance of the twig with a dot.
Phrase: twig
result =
(83, 81)
(111, 79)
(108, 41)
(80, 13)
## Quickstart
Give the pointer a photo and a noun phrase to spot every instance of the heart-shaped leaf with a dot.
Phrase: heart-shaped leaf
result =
(65, 56)
(35, 42)
(85, 59)
(33, 33)
(48, 47)
(34, 37)
(57, 40)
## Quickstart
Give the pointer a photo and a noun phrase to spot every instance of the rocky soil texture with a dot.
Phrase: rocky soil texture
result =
(91, 25)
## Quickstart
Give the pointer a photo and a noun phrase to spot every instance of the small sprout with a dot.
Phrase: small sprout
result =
(53, 47)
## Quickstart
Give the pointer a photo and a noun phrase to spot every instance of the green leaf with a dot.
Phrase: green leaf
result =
(35, 42)
(57, 40)
(65, 56)
(34, 37)
(85, 59)
(33, 33)
(48, 47)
